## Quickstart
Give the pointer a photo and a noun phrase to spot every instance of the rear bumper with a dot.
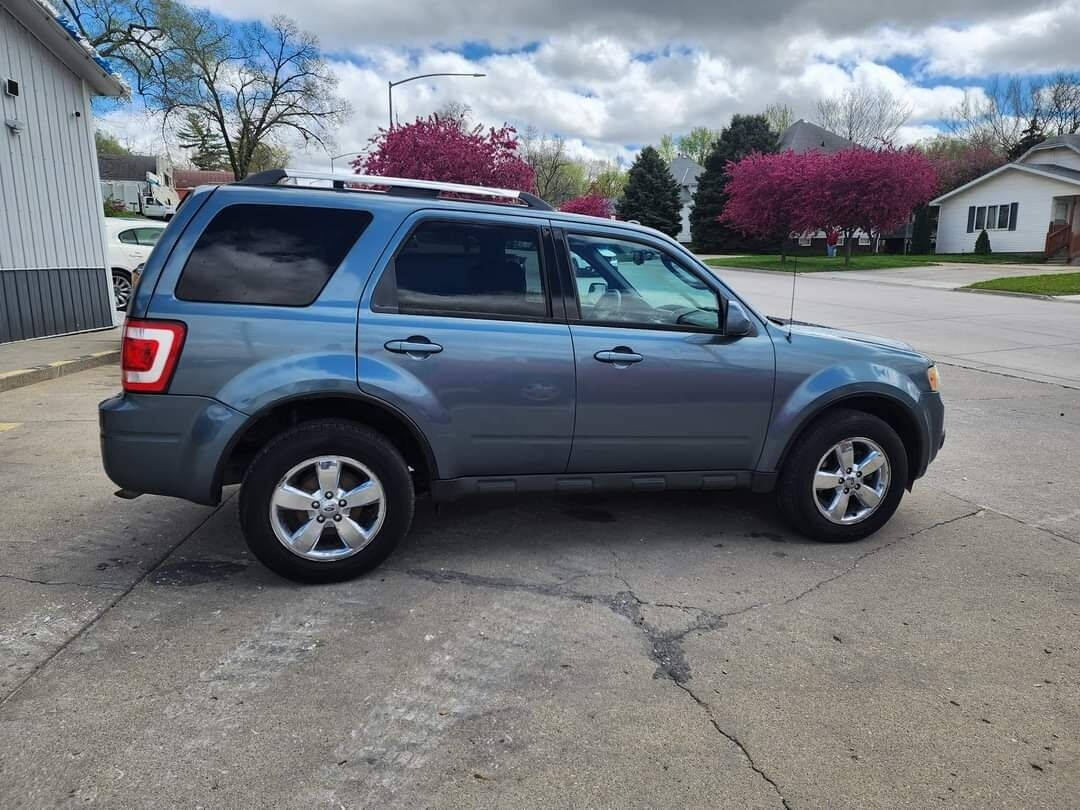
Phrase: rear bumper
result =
(167, 444)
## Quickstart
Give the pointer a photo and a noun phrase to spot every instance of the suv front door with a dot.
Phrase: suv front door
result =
(659, 385)
(458, 332)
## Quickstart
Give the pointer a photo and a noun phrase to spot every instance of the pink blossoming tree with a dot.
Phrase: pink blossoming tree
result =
(437, 148)
(592, 204)
(777, 196)
(873, 191)
(766, 194)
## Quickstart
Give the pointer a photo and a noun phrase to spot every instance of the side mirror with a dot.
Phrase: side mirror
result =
(598, 286)
(737, 323)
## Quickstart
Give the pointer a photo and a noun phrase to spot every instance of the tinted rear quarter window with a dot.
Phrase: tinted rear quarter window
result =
(279, 255)
(466, 269)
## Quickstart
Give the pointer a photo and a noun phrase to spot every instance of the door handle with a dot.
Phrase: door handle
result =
(620, 356)
(416, 347)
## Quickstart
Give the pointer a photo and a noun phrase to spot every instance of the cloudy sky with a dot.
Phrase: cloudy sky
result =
(611, 75)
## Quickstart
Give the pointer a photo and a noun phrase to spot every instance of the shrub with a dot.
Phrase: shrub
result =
(982, 244)
(114, 208)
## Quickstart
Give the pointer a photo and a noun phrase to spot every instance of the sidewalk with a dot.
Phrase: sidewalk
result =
(26, 362)
(946, 276)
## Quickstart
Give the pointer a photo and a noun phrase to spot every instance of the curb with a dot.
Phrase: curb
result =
(1012, 294)
(61, 368)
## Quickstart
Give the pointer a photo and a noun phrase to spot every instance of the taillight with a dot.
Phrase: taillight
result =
(149, 353)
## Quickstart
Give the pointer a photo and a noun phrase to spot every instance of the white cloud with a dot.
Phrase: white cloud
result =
(613, 74)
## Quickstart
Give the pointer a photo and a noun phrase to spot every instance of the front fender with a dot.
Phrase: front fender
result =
(799, 401)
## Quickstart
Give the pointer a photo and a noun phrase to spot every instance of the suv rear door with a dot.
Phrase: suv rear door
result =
(457, 330)
(659, 385)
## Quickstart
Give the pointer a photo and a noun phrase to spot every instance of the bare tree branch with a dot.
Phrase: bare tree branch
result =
(868, 116)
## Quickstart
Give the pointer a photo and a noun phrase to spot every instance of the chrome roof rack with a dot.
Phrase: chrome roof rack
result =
(396, 186)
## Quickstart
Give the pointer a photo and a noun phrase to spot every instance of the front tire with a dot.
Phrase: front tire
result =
(326, 501)
(844, 478)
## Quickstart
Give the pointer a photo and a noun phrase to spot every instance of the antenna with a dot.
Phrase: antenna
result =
(794, 274)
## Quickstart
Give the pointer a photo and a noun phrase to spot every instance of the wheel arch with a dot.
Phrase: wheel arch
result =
(262, 426)
(891, 410)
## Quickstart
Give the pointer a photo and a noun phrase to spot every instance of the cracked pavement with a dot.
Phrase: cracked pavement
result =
(632, 651)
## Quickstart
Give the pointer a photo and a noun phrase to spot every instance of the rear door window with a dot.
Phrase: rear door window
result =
(280, 255)
(468, 270)
(148, 236)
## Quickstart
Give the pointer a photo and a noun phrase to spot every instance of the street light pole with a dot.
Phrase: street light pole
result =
(391, 85)
(343, 154)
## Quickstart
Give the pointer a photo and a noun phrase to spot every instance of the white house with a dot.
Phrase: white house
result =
(686, 173)
(1030, 206)
(54, 276)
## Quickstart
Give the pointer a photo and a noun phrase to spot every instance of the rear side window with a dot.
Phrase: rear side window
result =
(455, 268)
(147, 236)
(278, 255)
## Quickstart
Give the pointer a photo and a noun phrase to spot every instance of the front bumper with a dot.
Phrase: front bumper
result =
(932, 412)
(165, 444)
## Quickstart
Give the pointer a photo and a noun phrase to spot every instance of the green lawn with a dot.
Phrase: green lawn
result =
(868, 261)
(1049, 284)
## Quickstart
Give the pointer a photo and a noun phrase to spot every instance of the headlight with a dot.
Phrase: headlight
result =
(933, 376)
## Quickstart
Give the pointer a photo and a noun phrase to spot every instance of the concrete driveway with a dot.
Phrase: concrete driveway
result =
(1025, 337)
(635, 651)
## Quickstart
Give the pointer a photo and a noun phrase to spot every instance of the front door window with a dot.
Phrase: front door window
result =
(631, 284)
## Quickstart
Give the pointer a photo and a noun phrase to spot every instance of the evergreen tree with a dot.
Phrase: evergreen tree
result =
(745, 135)
(920, 230)
(982, 244)
(1031, 135)
(209, 148)
(651, 195)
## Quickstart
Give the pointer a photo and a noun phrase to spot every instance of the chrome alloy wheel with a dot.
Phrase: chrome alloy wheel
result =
(121, 286)
(327, 508)
(851, 480)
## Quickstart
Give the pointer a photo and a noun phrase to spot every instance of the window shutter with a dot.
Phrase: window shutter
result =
(1012, 216)
(971, 219)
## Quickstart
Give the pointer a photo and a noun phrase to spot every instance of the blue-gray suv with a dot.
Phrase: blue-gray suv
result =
(339, 344)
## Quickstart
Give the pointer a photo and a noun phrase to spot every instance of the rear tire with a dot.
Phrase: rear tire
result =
(358, 526)
(814, 477)
(122, 289)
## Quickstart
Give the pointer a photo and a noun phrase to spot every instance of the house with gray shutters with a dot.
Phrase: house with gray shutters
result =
(54, 277)
(1029, 206)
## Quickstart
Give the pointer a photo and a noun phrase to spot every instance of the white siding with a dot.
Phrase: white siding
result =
(50, 202)
(1062, 156)
(1034, 196)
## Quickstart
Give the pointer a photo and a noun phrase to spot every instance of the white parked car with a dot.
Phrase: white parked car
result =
(130, 242)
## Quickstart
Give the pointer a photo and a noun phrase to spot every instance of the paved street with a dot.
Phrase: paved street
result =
(636, 651)
(1025, 337)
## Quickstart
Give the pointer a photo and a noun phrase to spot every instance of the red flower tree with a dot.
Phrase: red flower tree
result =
(766, 194)
(963, 165)
(437, 148)
(592, 204)
(775, 196)
(869, 191)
